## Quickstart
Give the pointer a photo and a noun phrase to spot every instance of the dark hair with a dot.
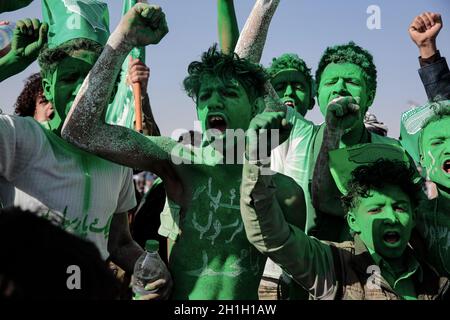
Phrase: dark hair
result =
(35, 255)
(290, 61)
(226, 66)
(49, 58)
(378, 175)
(351, 53)
(26, 102)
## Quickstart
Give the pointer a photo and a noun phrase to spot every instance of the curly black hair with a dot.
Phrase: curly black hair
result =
(26, 102)
(226, 66)
(378, 175)
(351, 53)
(50, 57)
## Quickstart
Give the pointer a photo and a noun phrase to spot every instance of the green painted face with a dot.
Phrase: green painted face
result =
(62, 88)
(343, 79)
(435, 149)
(384, 220)
(293, 89)
(223, 105)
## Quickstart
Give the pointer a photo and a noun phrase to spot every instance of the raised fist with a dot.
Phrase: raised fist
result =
(259, 134)
(424, 29)
(342, 113)
(143, 24)
(30, 35)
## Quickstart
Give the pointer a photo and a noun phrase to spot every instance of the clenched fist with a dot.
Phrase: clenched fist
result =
(423, 31)
(342, 113)
(143, 24)
(29, 37)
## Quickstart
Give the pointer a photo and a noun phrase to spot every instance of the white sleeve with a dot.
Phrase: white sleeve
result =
(127, 197)
(19, 143)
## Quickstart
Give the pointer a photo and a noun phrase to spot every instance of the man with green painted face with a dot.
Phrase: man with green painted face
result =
(426, 136)
(209, 255)
(91, 194)
(380, 202)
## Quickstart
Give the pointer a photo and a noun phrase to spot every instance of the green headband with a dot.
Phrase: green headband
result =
(344, 161)
(411, 125)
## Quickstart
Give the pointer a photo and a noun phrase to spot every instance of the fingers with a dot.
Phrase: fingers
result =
(138, 71)
(43, 34)
(155, 285)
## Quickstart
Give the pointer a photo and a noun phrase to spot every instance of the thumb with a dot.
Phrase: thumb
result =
(42, 35)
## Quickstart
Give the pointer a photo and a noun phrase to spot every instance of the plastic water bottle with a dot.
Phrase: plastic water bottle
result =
(148, 268)
(6, 34)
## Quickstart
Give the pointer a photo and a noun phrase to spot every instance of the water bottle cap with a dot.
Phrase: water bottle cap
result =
(152, 245)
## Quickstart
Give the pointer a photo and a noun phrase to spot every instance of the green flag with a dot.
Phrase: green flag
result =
(121, 110)
(71, 19)
(344, 161)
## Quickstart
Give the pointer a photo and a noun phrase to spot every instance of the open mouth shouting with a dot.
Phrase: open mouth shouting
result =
(446, 166)
(289, 103)
(217, 122)
(391, 237)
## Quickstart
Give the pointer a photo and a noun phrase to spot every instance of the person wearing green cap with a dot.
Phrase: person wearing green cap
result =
(209, 254)
(92, 195)
(380, 201)
(425, 135)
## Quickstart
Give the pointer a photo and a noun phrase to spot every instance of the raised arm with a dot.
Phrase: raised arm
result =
(253, 37)
(85, 126)
(341, 114)
(434, 70)
(138, 72)
(308, 260)
(29, 37)
(227, 25)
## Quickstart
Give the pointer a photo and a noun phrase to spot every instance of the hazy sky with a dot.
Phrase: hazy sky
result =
(305, 27)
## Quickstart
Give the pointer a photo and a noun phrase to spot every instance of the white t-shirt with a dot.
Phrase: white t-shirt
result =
(85, 189)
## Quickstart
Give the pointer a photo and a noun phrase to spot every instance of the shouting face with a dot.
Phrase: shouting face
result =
(223, 105)
(384, 220)
(294, 90)
(435, 157)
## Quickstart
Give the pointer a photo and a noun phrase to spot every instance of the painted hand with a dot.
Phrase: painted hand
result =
(342, 113)
(138, 72)
(424, 29)
(262, 129)
(144, 24)
(29, 37)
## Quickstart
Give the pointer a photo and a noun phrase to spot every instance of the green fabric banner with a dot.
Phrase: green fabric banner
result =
(71, 19)
(121, 111)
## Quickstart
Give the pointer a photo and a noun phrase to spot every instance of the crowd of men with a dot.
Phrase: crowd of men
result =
(263, 205)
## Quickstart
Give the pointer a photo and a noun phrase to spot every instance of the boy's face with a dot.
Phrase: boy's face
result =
(294, 90)
(65, 83)
(435, 156)
(223, 105)
(341, 80)
(384, 220)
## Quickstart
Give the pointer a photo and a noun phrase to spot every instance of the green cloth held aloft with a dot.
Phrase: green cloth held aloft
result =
(71, 19)
(344, 161)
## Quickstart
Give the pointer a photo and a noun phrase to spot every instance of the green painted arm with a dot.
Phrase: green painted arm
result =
(24, 47)
(227, 25)
(307, 259)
